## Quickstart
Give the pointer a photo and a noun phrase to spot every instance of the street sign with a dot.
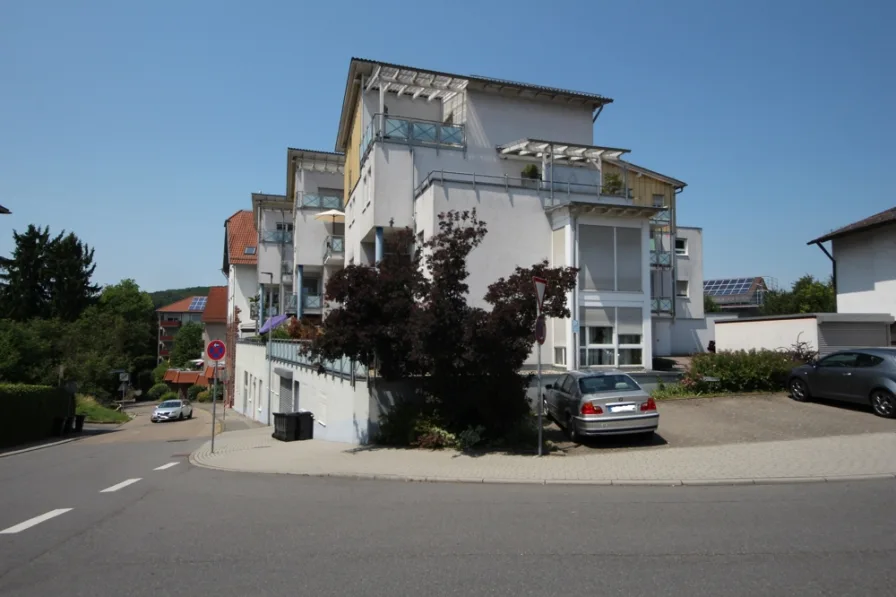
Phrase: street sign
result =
(540, 285)
(540, 330)
(216, 350)
(123, 377)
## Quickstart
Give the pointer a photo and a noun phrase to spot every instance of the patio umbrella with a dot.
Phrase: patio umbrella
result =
(272, 323)
(334, 214)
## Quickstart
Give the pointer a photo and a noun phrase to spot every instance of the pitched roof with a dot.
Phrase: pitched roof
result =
(242, 234)
(3, 210)
(216, 306)
(888, 216)
(182, 306)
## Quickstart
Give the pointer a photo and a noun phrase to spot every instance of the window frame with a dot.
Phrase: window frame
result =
(682, 252)
(687, 289)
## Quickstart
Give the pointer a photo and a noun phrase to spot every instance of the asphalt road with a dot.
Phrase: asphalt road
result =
(189, 531)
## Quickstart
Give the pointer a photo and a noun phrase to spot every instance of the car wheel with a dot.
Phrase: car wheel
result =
(884, 404)
(571, 430)
(544, 409)
(190, 416)
(799, 390)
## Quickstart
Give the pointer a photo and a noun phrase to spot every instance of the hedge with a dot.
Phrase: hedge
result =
(157, 390)
(740, 371)
(29, 412)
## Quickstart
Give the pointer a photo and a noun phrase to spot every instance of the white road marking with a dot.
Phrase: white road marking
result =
(165, 466)
(34, 521)
(121, 485)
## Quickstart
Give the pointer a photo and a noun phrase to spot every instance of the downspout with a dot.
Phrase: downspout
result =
(575, 307)
(833, 269)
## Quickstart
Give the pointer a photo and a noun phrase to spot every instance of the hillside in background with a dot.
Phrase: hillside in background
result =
(160, 298)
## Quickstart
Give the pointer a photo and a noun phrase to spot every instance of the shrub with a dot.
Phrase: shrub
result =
(29, 412)
(169, 396)
(159, 372)
(95, 412)
(194, 391)
(470, 437)
(739, 371)
(204, 396)
(397, 427)
(431, 436)
(157, 391)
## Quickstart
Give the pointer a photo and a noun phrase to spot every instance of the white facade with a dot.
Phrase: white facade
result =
(866, 271)
(242, 284)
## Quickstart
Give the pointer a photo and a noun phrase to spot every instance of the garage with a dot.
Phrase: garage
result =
(823, 332)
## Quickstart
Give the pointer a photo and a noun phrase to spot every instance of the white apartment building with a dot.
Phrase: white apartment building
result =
(418, 143)
(414, 143)
(240, 266)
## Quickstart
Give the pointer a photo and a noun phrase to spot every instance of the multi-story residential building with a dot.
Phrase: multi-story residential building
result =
(273, 216)
(241, 268)
(419, 142)
(173, 316)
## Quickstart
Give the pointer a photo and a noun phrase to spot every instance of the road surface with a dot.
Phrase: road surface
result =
(125, 514)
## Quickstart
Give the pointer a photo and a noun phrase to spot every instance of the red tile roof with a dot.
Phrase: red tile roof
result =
(241, 233)
(216, 306)
(181, 306)
(177, 377)
(888, 216)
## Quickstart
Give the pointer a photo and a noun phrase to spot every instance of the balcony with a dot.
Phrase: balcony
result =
(554, 193)
(312, 302)
(290, 351)
(280, 237)
(663, 218)
(166, 338)
(164, 352)
(291, 305)
(412, 131)
(169, 323)
(661, 258)
(313, 200)
(334, 249)
(661, 305)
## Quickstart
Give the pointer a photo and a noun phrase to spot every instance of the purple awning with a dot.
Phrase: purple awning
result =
(272, 323)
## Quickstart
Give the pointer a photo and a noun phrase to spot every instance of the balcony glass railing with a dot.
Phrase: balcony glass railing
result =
(320, 201)
(661, 305)
(334, 246)
(661, 258)
(413, 131)
(291, 351)
(291, 304)
(661, 218)
(311, 301)
(283, 237)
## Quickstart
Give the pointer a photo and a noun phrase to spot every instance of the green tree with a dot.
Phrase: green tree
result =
(188, 344)
(709, 305)
(127, 301)
(807, 295)
(70, 269)
(24, 276)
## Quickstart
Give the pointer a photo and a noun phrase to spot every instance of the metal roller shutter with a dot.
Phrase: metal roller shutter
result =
(286, 405)
(841, 336)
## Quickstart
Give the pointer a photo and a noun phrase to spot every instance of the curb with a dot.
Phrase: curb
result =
(40, 447)
(568, 482)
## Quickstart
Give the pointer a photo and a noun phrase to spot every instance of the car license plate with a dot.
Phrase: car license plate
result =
(625, 408)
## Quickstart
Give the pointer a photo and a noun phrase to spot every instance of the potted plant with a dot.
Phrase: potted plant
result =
(612, 185)
(530, 173)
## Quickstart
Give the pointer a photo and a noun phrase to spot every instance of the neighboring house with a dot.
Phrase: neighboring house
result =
(180, 380)
(214, 319)
(240, 267)
(414, 143)
(173, 316)
(864, 259)
(742, 297)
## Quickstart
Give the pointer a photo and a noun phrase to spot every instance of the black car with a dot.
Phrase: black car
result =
(860, 375)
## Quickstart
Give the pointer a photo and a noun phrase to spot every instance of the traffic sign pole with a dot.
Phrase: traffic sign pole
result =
(215, 351)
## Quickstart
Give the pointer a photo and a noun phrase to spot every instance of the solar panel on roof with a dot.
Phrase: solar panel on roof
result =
(728, 286)
(198, 303)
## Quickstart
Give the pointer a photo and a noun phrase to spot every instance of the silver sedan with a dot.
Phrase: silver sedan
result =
(171, 410)
(596, 403)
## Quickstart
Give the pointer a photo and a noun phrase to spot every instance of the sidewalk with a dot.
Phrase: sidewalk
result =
(819, 459)
(229, 420)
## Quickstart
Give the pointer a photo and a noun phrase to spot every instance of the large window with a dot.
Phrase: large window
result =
(611, 336)
(610, 258)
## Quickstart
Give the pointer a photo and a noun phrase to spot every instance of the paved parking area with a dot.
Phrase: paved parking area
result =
(740, 419)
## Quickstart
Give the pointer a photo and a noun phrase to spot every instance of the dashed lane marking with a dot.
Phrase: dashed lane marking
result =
(121, 485)
(34, 521)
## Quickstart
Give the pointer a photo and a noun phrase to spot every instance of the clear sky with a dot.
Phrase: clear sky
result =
(142, 126)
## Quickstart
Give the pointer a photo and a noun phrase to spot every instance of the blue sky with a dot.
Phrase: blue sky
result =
(142, 126)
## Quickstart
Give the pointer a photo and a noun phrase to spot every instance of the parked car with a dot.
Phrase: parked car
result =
(859, 375)
(594, 403)
(172, 409)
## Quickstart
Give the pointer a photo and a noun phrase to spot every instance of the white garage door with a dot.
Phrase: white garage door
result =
(840, 336)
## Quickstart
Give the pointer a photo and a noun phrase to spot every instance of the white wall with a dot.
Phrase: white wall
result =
(770, 334)
(251, 400)
(690, 268)
(242, 284)
(271, 255)
(866, 272)
(689, 336)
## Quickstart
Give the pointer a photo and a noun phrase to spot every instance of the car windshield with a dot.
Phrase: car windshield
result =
(170, 404)
(608, 383)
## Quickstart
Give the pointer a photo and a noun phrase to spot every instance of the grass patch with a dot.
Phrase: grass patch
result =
(678, 392)
(96, 412)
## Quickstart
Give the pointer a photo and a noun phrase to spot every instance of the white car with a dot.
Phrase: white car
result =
(172, 409)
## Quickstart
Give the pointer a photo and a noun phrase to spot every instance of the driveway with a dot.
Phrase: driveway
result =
(740, 419)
